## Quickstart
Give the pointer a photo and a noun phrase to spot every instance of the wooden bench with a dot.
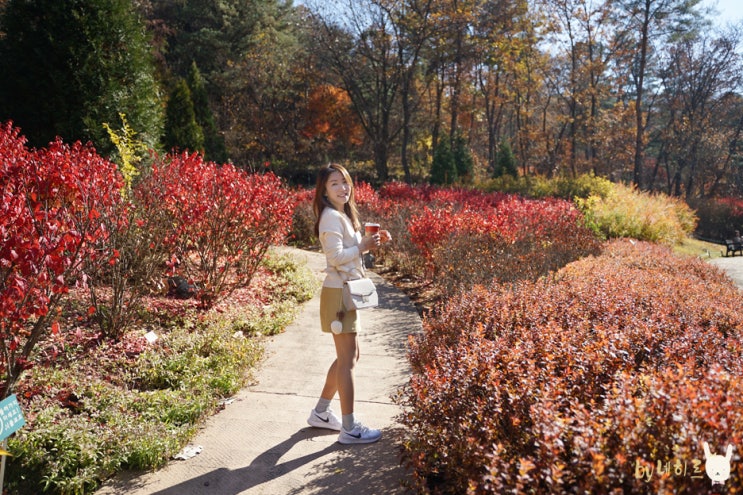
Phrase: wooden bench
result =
(733, 246)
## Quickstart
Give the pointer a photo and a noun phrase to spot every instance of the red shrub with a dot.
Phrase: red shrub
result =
(53, 202)
(580, 383)
(514, 240)
(735, 205)
(223, 219)
(440, 196)
(365, 195)
(719, 218)
(456, 237)
(302, 231)
(401, 192)
(430, 228)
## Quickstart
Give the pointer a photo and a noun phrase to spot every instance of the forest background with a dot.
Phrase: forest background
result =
(644, 92)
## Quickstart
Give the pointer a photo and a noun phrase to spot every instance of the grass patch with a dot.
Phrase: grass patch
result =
(696, 247)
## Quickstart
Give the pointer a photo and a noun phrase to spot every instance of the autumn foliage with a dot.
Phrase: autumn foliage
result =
(331, 119)
(460, 237)
(221, 220)
(606, 378)
(53, 202)
(66, 219)
(719, 218)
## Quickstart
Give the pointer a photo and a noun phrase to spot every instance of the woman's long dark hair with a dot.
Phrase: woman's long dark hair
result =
(321, 201)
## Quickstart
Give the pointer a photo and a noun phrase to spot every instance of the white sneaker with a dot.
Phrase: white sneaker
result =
(327, 420)
(359, 434)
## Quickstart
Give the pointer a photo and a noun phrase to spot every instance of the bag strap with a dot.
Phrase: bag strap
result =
(363, 271)
(344, 277)
(340, 314)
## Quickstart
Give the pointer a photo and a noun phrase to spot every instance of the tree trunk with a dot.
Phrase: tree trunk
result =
(640, 130)
(381, 153)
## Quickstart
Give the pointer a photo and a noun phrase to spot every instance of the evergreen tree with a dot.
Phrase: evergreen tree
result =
(214, 146)
(70, 67)
(463, 158)
(182, 132)
(443, 168)
(505, 161)
(257, 73)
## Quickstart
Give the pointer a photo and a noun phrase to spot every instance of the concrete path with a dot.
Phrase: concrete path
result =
(261, 444)
(733, 266)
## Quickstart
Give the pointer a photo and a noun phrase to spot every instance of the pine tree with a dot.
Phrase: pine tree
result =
(257, 73)
(505, 161)
(70, 67)
(182, 132)
(463, 158)
(443, 168)
(214, 146)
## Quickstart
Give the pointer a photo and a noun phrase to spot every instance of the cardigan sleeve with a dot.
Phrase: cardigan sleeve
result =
(332, 228)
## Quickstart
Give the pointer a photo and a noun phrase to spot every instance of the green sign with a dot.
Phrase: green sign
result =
(11, 417)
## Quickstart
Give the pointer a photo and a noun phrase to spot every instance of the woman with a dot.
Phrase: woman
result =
(338, 228)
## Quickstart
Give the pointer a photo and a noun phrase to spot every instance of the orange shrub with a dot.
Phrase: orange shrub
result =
(606, 378)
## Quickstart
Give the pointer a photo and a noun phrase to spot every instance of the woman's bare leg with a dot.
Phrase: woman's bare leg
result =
(347, 351)
(331, 382)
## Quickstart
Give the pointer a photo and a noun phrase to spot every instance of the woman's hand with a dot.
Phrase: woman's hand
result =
(369, 242)
(385, 236)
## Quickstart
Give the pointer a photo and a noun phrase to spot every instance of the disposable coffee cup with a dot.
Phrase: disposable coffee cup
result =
(371, 228)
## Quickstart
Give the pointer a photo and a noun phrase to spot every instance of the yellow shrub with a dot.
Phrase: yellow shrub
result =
(627, 212)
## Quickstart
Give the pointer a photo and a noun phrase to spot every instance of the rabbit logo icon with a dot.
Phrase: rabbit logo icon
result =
(718, 466)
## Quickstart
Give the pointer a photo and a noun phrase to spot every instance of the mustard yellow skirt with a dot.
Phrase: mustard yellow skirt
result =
(331, 302)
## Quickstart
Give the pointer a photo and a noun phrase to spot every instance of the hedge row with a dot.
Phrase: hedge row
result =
(606, 378)
(459, 237)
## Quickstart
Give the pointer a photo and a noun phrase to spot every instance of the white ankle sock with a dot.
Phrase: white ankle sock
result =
(322, 405)
(348, 421)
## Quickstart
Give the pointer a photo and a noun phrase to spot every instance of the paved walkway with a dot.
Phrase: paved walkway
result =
(733, 266)
(261, 444)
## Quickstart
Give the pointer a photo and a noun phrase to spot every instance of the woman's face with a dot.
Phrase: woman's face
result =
(338, 190)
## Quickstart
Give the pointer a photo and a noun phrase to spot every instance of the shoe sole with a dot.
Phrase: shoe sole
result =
(354, 440)
(321, 424)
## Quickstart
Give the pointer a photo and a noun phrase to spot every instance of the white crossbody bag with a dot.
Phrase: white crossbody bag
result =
(360, 293)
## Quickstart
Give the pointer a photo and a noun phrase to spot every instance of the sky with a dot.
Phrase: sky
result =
(729, 10)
